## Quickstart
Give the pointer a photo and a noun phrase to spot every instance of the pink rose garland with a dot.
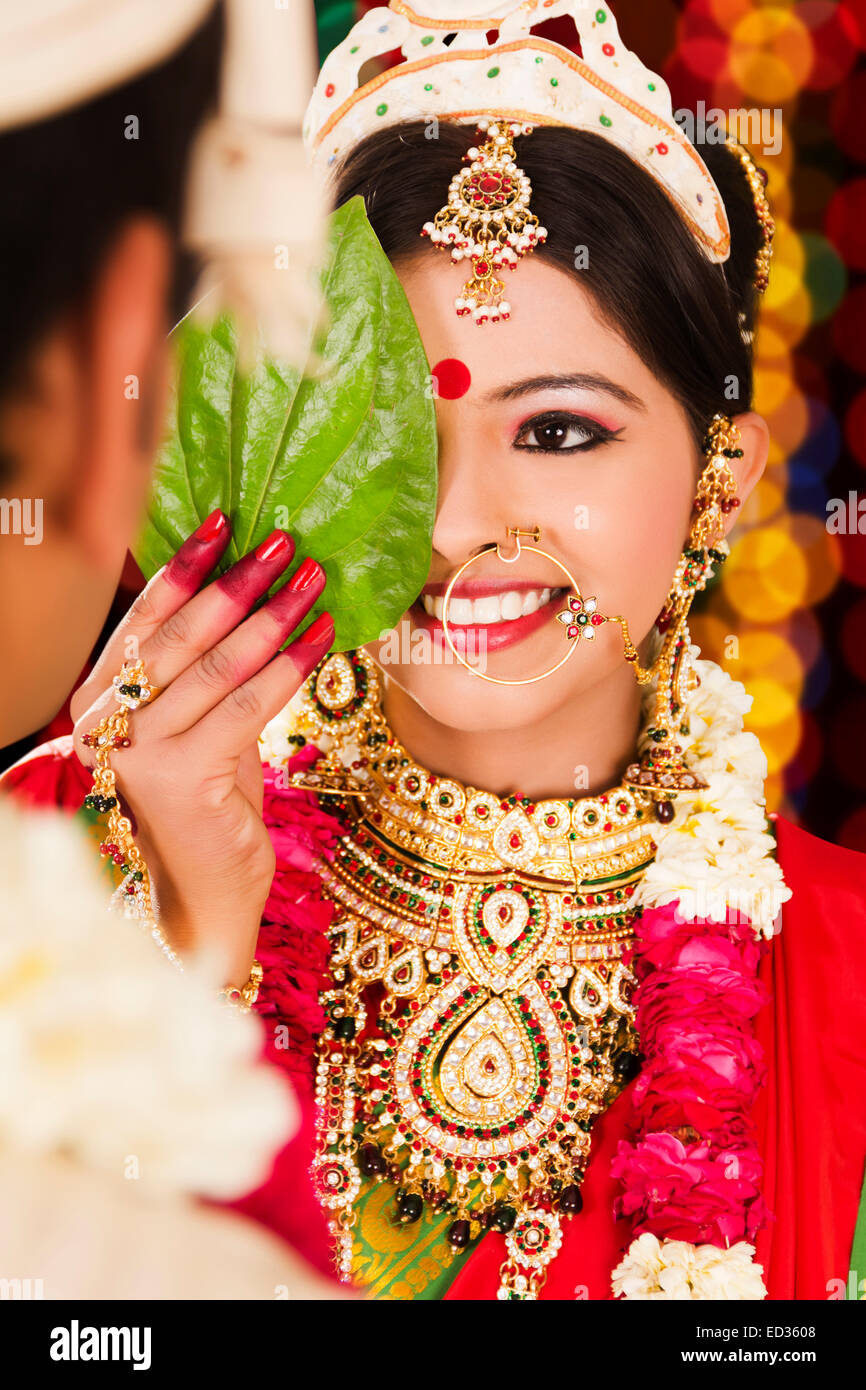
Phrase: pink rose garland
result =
(293, 945)
(692, 1171)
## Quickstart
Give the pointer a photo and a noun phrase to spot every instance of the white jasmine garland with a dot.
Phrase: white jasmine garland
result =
(717, 853)
(716, 856)
(674, 1269)
(110, 1055)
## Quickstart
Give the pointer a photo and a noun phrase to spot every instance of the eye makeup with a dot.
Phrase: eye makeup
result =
(562, 432)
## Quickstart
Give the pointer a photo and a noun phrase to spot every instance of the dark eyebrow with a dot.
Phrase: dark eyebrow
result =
(579, 381)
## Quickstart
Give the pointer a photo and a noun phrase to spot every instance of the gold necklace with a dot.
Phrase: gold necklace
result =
(479, 1014)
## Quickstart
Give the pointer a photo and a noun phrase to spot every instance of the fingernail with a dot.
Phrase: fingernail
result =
(212, 526)
(199, 553)
(306, 574)
(319, 632)
(277, 543)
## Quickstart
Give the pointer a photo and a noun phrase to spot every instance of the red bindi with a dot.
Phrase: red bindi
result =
(451, 379)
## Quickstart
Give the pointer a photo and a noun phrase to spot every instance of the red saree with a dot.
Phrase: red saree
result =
(811, 1113)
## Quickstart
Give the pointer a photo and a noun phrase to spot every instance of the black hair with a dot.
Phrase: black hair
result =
(682, 313)
(71, 181)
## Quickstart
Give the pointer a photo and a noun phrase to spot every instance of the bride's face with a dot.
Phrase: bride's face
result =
(561, 426)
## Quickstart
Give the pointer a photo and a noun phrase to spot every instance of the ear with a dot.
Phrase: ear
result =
(748, 471)
(123, 382)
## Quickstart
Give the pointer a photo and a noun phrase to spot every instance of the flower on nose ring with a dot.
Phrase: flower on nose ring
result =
(580, 618)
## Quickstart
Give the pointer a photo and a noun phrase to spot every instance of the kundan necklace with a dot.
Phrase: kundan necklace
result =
(479, 1014)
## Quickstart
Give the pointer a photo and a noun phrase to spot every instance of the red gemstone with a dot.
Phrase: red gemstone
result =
(607, 49)
(482, 268)
(662, 149)
(515, 841)
(329, 90)
(596, 619)
(490, 183)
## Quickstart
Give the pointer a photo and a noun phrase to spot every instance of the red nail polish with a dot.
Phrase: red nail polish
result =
(277, 544)
(319, 632)
(305, 575)
(199, 553)
(212, 526)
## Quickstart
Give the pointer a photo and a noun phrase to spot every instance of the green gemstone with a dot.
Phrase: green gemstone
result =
(539, 60)
(492, 72)
(605, 120)
(601, 16)
(652, 86)
(428, 38)
(554, 81)
(428, 86)
(381, 109)
(354, 50)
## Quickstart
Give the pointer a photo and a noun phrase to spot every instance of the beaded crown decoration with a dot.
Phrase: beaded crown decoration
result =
(452, 70)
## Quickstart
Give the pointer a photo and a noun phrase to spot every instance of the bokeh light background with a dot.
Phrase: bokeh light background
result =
(788, 614)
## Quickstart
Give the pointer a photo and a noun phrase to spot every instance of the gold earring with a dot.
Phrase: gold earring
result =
(661, 771)
(580, 617)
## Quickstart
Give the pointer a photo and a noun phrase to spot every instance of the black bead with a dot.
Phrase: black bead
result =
(409, 1208)
(627, 1066)
(664, 811)
(458, 1235)
(123, 689)
(503, 1218)
(570, 1200)
(370, 1161)
(344, 1029)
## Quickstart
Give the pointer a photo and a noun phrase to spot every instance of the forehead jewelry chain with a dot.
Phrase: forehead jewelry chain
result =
(580, 617)
(487, 220)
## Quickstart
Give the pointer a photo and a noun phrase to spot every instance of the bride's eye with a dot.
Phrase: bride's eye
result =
(557, 432)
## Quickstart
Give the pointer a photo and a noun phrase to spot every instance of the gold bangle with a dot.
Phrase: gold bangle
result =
(244, 998)
(132, 689)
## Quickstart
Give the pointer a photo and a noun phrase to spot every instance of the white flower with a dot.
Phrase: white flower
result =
(274, 746)
(674, 1269)
(717, 854)
(739, 754)
(109, 1054)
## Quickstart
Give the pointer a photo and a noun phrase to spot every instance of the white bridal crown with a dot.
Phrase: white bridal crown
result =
(450, 70)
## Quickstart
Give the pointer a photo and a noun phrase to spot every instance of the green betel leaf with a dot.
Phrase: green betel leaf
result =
(346, 462)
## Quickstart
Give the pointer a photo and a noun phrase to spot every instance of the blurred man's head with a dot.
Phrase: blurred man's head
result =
(91, 281)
